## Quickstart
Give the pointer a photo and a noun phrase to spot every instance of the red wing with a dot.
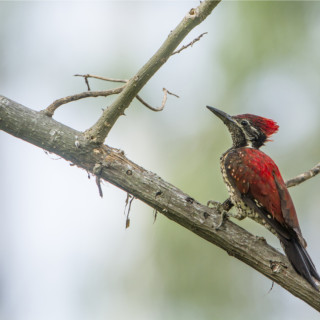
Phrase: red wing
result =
(257, 180)
(256, 175)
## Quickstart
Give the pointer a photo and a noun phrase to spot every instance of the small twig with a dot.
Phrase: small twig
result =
(171, 93)
(49, 155)
(86, 76)
(98, 182)
(49, 111)
(164, 99)
(128, 202)
(189, 44)
(163, 103)
(155, 215)
(272, 284)
(87, 83)
(97, 169)
(303, 176)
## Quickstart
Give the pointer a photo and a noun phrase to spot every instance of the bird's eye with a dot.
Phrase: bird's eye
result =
(244, 123)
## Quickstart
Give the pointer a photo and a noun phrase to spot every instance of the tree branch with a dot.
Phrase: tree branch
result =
(99, 131)
(189, 44)
(163, 103)
(164, 99)
(49, 111)
(165, 198)
(303, 176)
(87, 76)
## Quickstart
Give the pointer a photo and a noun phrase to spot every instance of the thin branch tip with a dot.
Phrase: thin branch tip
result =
(171, 93)
(127, 208)
(49, 111)
(304, 176)
(163, 103)
(189, 44)
(101, 78)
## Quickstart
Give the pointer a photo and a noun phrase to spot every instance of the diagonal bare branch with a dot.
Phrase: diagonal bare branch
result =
(99, 131)
(162, 196)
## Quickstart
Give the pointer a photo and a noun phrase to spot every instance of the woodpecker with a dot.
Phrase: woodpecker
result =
(257, 189)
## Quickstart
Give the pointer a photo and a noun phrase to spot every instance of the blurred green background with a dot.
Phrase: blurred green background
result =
(65, 253)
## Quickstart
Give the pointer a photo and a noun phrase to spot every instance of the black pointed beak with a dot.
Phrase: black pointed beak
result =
(226, 118)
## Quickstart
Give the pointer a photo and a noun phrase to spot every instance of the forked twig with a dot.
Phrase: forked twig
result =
(49, 111)
(146, 104)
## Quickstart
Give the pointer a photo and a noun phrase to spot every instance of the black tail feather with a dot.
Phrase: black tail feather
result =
(300, 260)
(293, 248)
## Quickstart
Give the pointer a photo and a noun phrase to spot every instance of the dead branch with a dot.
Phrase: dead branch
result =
(164, 100)
(303, 176)
(114, 167)
(100, 130)
(146, 104)
(87, 83)
(86, 76)
(189, 44)
(97, 169)
(127, 208)
(49, 111)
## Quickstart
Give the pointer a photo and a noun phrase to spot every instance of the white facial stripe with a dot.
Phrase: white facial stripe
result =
(249, 143)
(248, 138)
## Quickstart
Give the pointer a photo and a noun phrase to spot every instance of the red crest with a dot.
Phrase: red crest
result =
(268, 126)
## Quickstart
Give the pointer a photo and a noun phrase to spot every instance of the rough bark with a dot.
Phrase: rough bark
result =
(111, 165)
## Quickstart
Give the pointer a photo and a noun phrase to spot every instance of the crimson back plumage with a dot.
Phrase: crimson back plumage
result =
(258, 184)
(258, 190)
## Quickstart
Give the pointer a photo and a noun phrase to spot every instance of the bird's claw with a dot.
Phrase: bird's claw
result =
(223, 216)
(220, 209)
(214, 204)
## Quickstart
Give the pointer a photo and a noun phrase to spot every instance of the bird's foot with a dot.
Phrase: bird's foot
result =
(223, 216)
(220, 208)
(213, 204)
(223, 209)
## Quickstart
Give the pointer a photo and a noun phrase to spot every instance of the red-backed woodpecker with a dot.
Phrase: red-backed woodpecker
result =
(257, 189)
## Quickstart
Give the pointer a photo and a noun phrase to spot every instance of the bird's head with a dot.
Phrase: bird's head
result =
(247, 129)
